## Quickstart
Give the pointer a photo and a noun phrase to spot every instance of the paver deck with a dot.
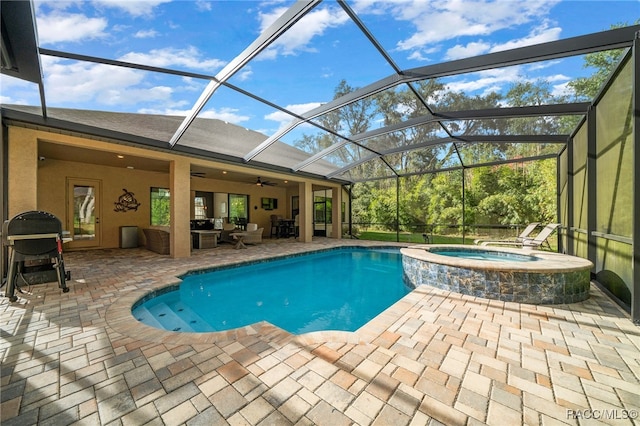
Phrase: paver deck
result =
(432, 358)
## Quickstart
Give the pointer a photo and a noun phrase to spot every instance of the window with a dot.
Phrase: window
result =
(160, 207)
(238, 209)
(200, 208)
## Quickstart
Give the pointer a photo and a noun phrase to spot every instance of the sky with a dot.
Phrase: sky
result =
(300, 70)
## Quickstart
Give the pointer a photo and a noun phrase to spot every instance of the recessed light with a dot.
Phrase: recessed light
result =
(130, 167)
(286, 181)
(224, 172)
(120, 156)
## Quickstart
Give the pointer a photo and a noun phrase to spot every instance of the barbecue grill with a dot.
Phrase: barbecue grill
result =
(35, 246)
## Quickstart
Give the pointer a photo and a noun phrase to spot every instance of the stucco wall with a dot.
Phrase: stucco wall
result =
(52, 182)
(42, 185)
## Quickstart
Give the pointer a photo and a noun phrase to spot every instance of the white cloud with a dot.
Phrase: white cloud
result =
(556, 78)
(298, 38)
(244, 74)
(562, 90)
(424, 54)
(486, 81)
(203, 5)
(491, 89)
(230, 115)
(133, 8)
(146, 34)
(471, 49)
(418, 56)
(189, 57)
(60, 27)
(295, 108)
(539, 35)
(497, 80)
(21, 92)
(542, 65)
(436, 21)
(69, 83)
(285, 119)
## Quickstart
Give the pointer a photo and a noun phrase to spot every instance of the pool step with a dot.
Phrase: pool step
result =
(169, 319)
(194, 320)
(143, 315)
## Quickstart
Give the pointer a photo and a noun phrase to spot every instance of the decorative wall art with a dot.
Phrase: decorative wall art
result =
(126, 202)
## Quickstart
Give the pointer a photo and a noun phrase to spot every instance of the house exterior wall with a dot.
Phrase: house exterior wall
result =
(42, 185)
(54, 174)
(22, 171)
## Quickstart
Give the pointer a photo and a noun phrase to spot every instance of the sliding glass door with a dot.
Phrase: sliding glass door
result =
(239, 209)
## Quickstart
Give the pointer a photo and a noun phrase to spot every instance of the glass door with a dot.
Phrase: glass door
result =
(239, 209)
(83, 218)
(322, 211)
(319, 218)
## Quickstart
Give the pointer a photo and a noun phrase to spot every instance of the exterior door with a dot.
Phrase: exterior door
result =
(239, 209)
(83, 215)
(319, 219)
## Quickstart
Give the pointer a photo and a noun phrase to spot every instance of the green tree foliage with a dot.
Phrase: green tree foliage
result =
(513, 193)
(160, 207)
(603, 63)
(586, 88)
(350, 120)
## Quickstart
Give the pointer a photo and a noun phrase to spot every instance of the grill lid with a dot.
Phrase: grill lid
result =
(33, 222)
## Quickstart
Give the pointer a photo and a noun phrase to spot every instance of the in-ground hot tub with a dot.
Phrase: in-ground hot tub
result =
(507, 274)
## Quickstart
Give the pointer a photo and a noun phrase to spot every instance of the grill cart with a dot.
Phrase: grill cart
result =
(34, 239)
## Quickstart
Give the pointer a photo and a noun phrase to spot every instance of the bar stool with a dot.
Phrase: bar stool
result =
(274, 226)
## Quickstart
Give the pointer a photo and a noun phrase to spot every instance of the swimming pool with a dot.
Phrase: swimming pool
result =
(339, 289)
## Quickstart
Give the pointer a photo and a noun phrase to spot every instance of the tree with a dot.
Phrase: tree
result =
(349, 120)
(586, 88)
(514, 193)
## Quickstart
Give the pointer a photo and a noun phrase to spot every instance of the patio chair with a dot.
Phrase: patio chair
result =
(253, 234)
(274, 226)
(520, 238)
(530, 243)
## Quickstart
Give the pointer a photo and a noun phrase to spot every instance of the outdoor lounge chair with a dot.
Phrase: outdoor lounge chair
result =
(253, 234)
(530, 243)
(520, 238)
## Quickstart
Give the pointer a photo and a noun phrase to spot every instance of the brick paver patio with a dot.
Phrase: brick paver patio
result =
(432, 358)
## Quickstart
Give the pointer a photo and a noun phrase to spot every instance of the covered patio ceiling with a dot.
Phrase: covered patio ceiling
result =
(345, 155)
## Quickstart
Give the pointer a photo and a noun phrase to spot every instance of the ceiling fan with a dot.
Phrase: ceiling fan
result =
(260, 182)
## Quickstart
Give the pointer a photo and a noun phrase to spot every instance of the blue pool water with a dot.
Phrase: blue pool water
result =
(331, 290)
(476, 254)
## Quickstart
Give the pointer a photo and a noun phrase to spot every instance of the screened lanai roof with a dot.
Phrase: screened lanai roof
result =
(378, 114)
